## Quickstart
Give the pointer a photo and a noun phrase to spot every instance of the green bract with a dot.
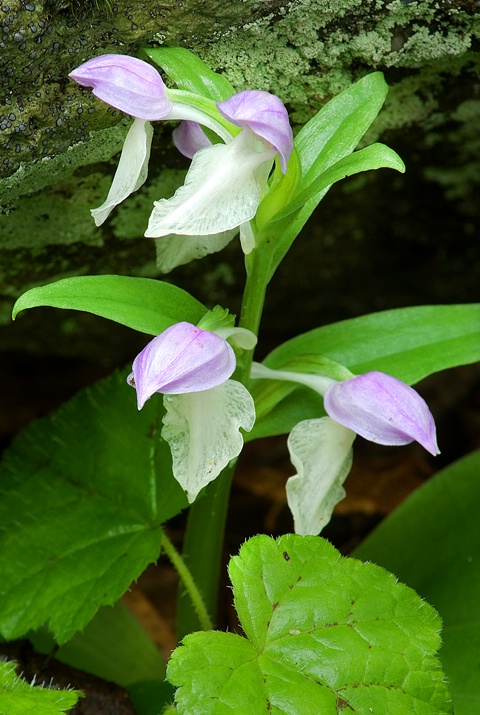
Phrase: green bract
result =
(324, 634)
(189, 73)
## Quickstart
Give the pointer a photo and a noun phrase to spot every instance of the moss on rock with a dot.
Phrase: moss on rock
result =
(58, 143)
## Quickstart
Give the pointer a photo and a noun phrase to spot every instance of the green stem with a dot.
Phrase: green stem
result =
(258, 264)
(203, 544)
(189, 583)
(203, 548)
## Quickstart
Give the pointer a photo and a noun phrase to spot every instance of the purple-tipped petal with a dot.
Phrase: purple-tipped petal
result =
(189, 137)
(126, 83)
(265, 115)
(181, 359)
(382, 409)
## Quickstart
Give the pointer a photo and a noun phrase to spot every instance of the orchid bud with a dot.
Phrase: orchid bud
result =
(182, 359)
(265, 115)
(382, 409)
(126, 83)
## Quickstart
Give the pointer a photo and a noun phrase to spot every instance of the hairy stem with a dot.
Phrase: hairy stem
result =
(202, 549)
(189, 582)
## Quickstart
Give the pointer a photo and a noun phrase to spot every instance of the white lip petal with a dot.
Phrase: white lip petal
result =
(222, 190)
(173, 250)
(202, 430)
(131, 171)
(321, 452)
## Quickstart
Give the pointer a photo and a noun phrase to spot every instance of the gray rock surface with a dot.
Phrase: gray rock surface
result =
(379, 241)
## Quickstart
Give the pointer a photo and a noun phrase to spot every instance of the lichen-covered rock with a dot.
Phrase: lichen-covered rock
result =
(303, 50)
(58, 143)
(44, 113)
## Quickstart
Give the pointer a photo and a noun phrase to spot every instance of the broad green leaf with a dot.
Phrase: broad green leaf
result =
(82, 496)
(152, 698)
(338, 127)
(331, 135)
(375, 156)
(324, 634)
(20, 698)
(113, 646)
(432, 542)
(408, 343)
(190, 73)
(144, 304)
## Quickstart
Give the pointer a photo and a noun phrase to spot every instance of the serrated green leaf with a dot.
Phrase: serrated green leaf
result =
(82, 496)
(432, 542)
(190, 73)
(325, 634)
(144, 304)
(408, 343)
(20, 698)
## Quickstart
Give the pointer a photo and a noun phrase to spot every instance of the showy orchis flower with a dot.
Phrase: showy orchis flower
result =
(225, 182)
(126, 83)
(204, 408)
(382, 409)
(376, 406)
(182, 359)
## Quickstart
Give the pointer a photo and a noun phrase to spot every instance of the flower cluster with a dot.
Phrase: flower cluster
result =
(376, 406)
(226, 180)
(233, 145)
(205, 410)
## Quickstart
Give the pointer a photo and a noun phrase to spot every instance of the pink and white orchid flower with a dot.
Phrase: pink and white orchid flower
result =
(225, 182)
(374, 405)
(204, 408)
